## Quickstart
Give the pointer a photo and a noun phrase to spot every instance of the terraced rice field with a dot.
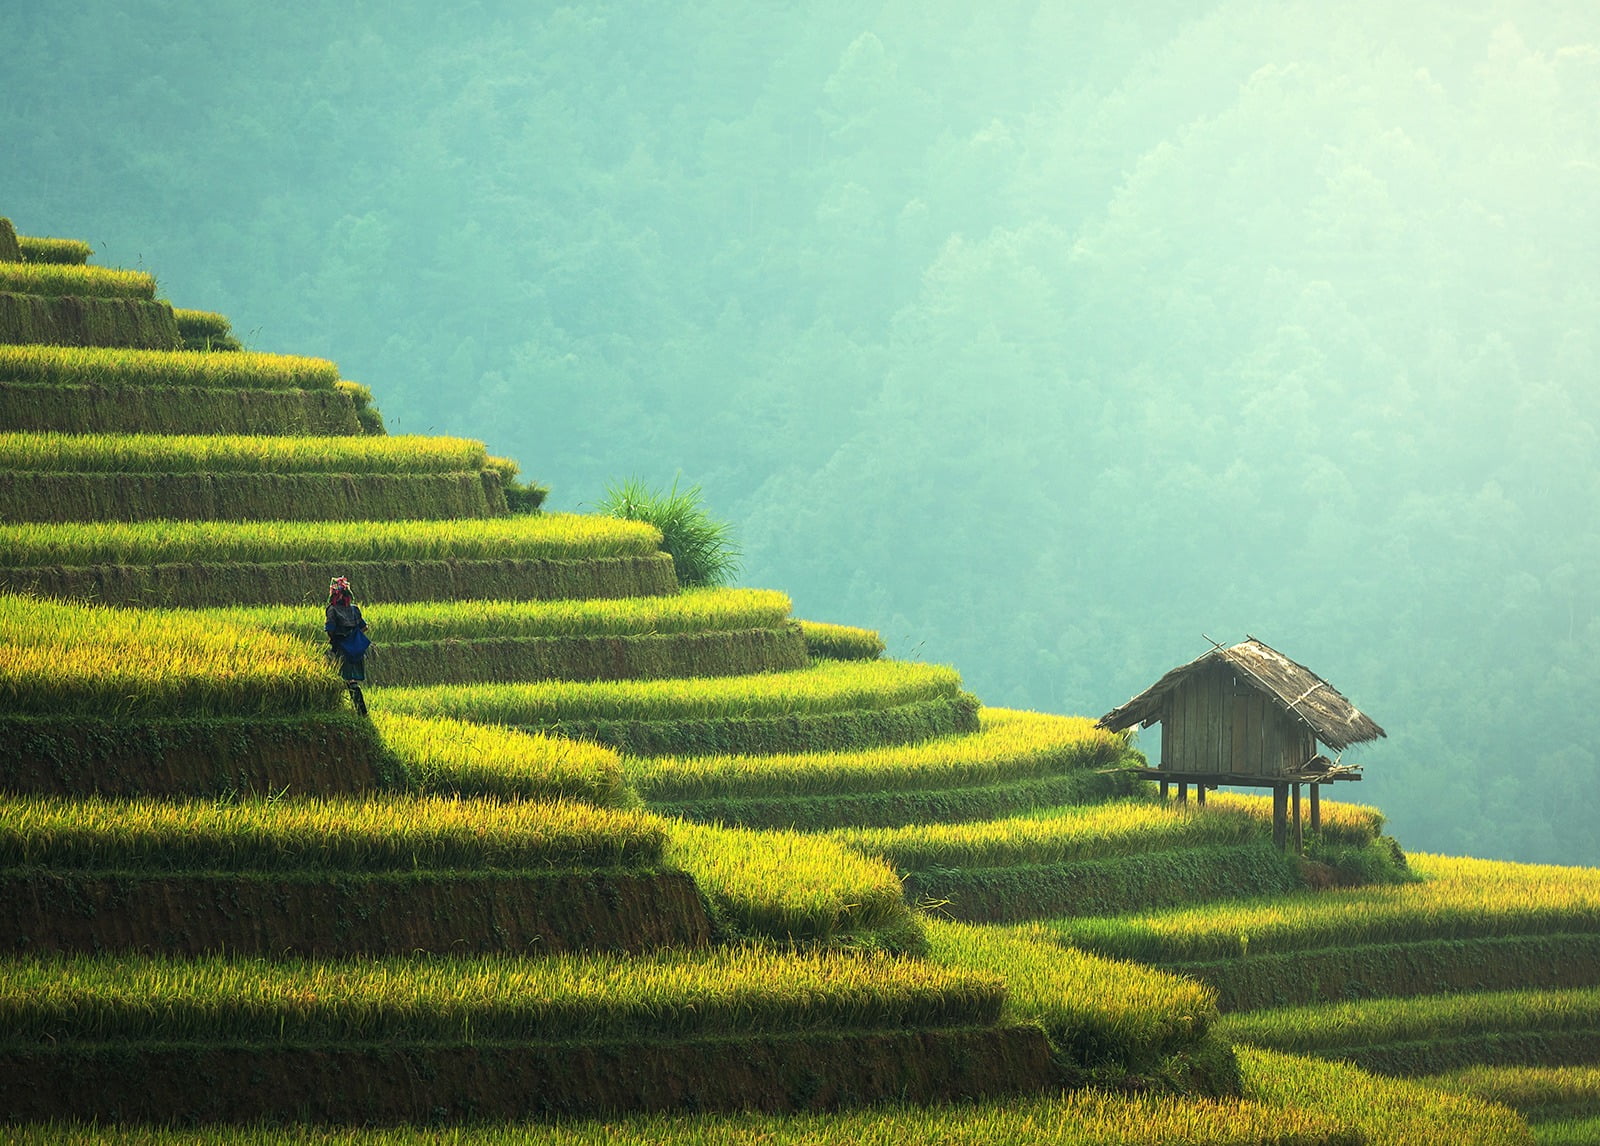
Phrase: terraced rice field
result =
(113, 366)
(83, 282)
(186, 454)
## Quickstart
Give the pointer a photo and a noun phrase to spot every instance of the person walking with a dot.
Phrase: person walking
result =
(348, 640)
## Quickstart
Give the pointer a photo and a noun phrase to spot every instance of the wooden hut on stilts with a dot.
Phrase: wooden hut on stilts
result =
(1248, 716)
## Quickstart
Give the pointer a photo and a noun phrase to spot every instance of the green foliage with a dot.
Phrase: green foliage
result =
(477, 760)
(1536, 1092)
(590, 998)
(40, 407)
(10, 251)
(371, 834)
(74, 322)
(367, 415)
(219, 453)
(841, 642)
(246, 497)
(84, 366)
(794, 889)
(703, 549)
(203, 330)
(82, 282)
(67, 252)
(564, 536)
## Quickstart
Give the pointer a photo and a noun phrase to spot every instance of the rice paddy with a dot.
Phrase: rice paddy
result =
(1542, 1091)
(80, 281)
(1010, 745)
(374, 834)
(110, 366)
(59, 659)
(691, 611)
(188, 454)
(841, 642)
(793, 888)
(65, 252)
(825, 687)
(669, 994)
(458, 758)
(165, 542)
(1456, 899)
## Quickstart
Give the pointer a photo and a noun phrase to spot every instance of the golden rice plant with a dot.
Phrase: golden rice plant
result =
(1060, 835)
(59, 659)
(1330, 1027)
(828, 686)
(1541, 1090)
(100, 366)
(42, 249)
(792, 887)
(669, 994)
(453, 756)
(1010, 745)
(563, 536)
(84, 282)
(1341, 822)
(237, 453)
(1455, 899)
(375, 833)
(841, 642)
(692, 611)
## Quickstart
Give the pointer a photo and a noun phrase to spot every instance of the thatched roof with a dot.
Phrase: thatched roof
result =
(1294, 688)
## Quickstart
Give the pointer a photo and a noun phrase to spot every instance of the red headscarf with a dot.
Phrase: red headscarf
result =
(339, 591)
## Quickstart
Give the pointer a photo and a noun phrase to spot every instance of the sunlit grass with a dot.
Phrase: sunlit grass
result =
(235, 453)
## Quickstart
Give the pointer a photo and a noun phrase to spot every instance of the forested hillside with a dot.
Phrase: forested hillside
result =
(1043, 337)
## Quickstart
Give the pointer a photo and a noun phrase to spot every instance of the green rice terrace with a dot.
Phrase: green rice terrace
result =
(621, 859)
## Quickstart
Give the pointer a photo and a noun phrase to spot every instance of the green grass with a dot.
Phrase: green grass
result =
(477, 760)
(59, 659)
(205, 330)
(65, 252)
(39, 407)
(232, 370)
(45, 320)
(1059, 835)
(793, 888)
(692, 611)
(824, 688)
(1542, 1092)
(1337, 1028)
(187, 454)
(1455, 899)
(568, 536)
(702, 547)
(1098, 1013)
(841, 642)
(79, 281)
(1568, 1132)
(373, 834)
(494, 999)
(1009, 746)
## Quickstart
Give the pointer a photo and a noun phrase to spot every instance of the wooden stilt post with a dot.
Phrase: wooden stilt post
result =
(1299, 837)
(1183, 791)
(1200, 794)
(1280, 815)
(1316, 808)
(1163, 789)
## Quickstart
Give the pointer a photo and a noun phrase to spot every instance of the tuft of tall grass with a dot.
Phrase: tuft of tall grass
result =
(237, 453)
(703, 550)
(669, 994)
(165, 542)
(79, 281)
(1455, 899)
(828, 686)
(456, 757)
(61, 659)
(692, 611)
(205, 330)
(1011, 745)
(371, 834)
(793, 888)
(103, 366)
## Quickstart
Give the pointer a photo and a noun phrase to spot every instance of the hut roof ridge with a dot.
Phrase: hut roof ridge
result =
(1296, 689)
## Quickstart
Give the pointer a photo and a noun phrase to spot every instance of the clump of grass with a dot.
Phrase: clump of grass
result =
(453, 756)
(61, 659)
(566, 536)
(110, 366)
(703, 550)
(62, 252)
